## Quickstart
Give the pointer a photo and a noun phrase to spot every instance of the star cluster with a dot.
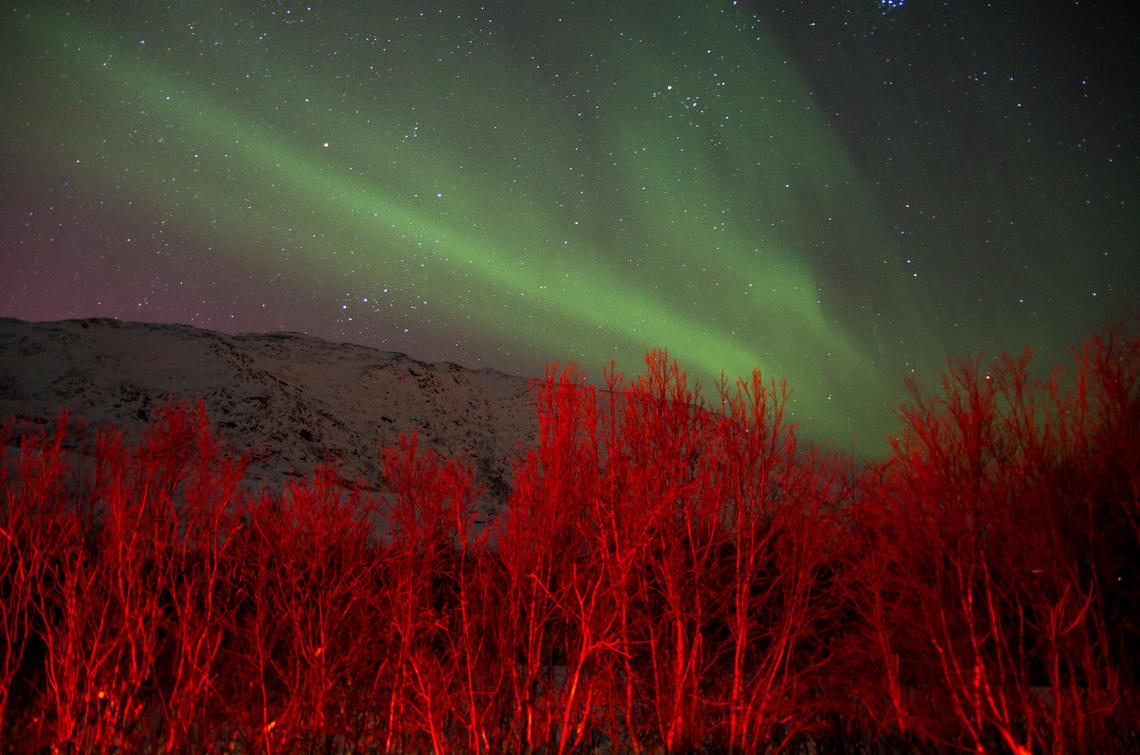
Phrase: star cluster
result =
(838, 194)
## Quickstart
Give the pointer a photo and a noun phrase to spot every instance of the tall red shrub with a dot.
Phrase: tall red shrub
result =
(780, 499)
(544, 635)
(111, 540)
(991, 604)
(427, 500)
(37, 524)
(687, 549)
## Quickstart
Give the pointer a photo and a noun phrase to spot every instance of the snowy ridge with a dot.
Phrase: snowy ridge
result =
(289, 398)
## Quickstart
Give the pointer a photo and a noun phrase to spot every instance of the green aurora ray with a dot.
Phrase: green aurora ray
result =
(665, 188)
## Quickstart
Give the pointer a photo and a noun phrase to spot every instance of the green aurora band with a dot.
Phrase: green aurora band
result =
(690, 198)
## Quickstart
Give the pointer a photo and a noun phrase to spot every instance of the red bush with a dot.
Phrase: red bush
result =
(991, 585)
(666, 575)
(668, 559)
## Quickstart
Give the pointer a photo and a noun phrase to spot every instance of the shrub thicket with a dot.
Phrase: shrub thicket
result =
(665, 576)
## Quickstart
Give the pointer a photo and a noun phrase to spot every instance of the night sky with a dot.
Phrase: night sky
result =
(841, 194)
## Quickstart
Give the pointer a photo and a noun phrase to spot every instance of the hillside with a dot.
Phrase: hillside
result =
(289, 397)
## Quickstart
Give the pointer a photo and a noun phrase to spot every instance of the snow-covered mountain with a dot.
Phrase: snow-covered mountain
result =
(289, 397)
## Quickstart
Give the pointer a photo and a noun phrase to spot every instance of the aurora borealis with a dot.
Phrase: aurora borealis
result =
(841, 194)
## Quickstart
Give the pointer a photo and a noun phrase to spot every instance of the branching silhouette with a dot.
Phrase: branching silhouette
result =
(666, 576)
